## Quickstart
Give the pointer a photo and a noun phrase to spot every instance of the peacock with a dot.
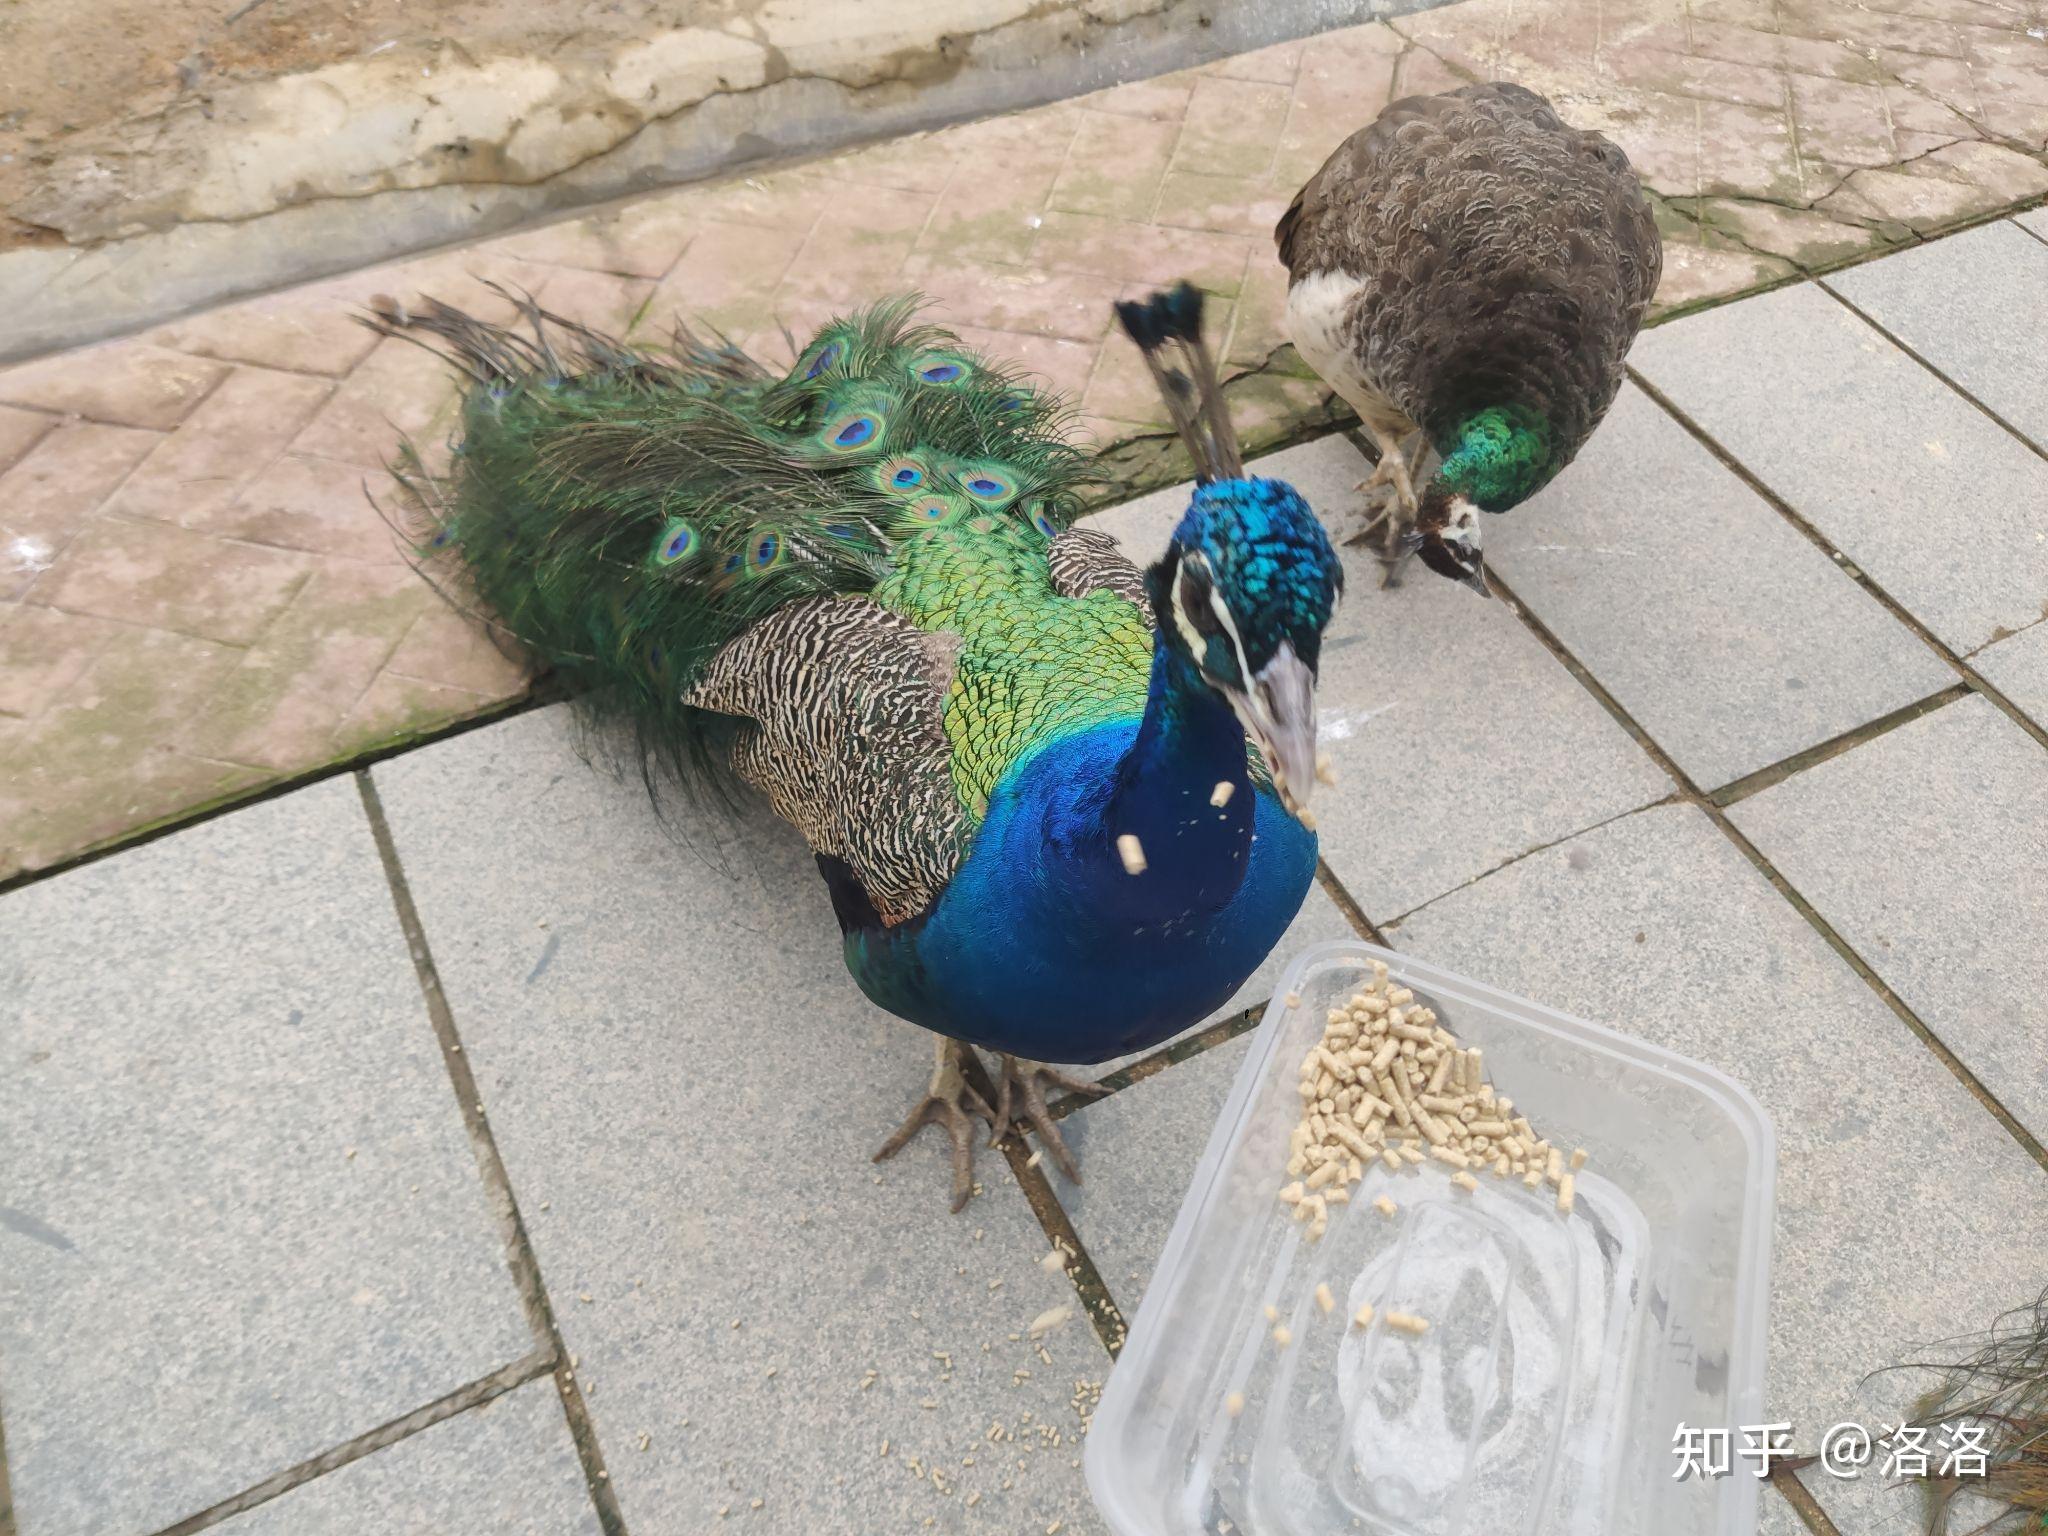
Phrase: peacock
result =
(1470, 268)
(856, 589)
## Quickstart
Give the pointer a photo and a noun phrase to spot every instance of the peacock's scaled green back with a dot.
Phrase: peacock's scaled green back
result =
(627, 512)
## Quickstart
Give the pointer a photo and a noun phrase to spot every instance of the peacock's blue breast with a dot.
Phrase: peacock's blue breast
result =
(1024, 953)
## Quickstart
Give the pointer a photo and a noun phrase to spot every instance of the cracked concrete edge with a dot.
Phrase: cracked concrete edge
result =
(174, 225)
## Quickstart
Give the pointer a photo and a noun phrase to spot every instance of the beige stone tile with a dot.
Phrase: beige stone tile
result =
(1230, 205)
(394, 708)
(1133, 252)
(1843, 122)
(308, 330)
(93, 765)
(604, 301)
(642, 238)
(42, 653)
(1345, 81)
(1047, 361)
(21, 431)
(453, 650)
(122, 383)
(171, 578)
(1275, 64)
(243, 425)
(919, 162)
(728, 276)
(317, 505)
(1028, 299)
(1232, 127)
(399, 390)
(279, 705)
(1163, 98)
(1116, 166)
(48, 496)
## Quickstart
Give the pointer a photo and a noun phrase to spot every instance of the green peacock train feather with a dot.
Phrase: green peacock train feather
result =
(626, 511)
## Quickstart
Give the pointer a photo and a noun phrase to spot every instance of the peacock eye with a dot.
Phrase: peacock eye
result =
(1193, 596)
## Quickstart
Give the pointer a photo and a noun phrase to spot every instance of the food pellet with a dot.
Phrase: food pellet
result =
(1466, 1182)
(1385, 1205)
(1234, 1404)
(1272, 1314)
(1294, 999)
(1220, 795)
(1578, 1158)
(1132, 852)
(1362, 1318)
(1283, 1336)
(1325, 1300)
(1565, 1194)
(1407, 1322)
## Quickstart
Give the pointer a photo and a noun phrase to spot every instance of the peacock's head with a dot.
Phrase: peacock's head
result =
(1446, 537)
(1244, 593)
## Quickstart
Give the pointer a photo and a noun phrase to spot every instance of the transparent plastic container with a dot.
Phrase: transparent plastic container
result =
(1562, 1353)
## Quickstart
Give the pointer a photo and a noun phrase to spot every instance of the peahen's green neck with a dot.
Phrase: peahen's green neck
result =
(1498, 457)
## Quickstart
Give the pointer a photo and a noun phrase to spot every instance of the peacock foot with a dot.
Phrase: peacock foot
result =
(1027, 1080)
(946, 1103)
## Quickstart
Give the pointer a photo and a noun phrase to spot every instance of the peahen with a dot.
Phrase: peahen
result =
(855, 587)
(1471, 267)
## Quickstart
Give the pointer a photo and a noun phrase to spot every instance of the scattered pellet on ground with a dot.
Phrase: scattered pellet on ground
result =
(1325, 1300)
(1234, 1404)
(1407, 1322)
(1362, 1318)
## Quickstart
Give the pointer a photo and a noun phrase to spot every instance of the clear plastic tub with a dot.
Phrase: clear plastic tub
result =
(1562, 1353)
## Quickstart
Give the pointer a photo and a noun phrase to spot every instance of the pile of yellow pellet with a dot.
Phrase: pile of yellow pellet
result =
(1388, 1081)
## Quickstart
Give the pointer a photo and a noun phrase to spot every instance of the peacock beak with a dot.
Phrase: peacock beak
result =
(1279, 714)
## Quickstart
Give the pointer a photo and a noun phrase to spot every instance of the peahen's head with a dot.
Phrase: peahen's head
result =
(1244, 593)
(1446, 536)
(1493, 459)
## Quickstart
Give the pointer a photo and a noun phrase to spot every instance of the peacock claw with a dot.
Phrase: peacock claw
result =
(1025, 1078)
(946, 1103)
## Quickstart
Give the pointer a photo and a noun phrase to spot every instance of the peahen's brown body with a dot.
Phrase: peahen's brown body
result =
(1472, 266)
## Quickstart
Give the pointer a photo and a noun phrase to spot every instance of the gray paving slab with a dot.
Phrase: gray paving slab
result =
(1719, 626)
(686, 1088)
(2037, 221)
(1943, 508)
(2017, 667)
(242, 1222)
(1148, 1137)
(1459, 741)
(1925, 849)
(1976, 306)
(507, 1468)
(1775, 1517)
(1903, 1211)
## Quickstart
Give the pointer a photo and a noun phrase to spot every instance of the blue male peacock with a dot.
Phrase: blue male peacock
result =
(855, 587)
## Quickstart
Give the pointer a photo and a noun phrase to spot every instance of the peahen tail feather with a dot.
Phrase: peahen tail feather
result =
(625, 511)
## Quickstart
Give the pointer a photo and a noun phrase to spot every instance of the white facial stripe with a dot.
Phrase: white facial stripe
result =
(1223, 616)
(1181, 619)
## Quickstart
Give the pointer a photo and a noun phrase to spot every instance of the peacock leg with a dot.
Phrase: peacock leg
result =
(946, 1103)
(1028, 1079)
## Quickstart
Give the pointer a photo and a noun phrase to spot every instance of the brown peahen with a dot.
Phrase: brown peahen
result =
(1469, 269)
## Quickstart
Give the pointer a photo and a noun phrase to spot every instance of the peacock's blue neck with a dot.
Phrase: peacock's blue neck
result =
(1164, 795)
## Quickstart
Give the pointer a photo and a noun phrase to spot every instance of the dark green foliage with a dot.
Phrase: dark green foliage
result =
(626, 511)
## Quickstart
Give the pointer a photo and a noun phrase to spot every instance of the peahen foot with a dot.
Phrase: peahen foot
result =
(946, 1102)
(1027, 1080)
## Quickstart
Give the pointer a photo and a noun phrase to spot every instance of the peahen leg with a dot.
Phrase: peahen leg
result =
(946, 1103)
(1028, 1079)
(1390, 489)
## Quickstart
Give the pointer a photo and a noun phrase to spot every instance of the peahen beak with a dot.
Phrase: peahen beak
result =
(1279, 714)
